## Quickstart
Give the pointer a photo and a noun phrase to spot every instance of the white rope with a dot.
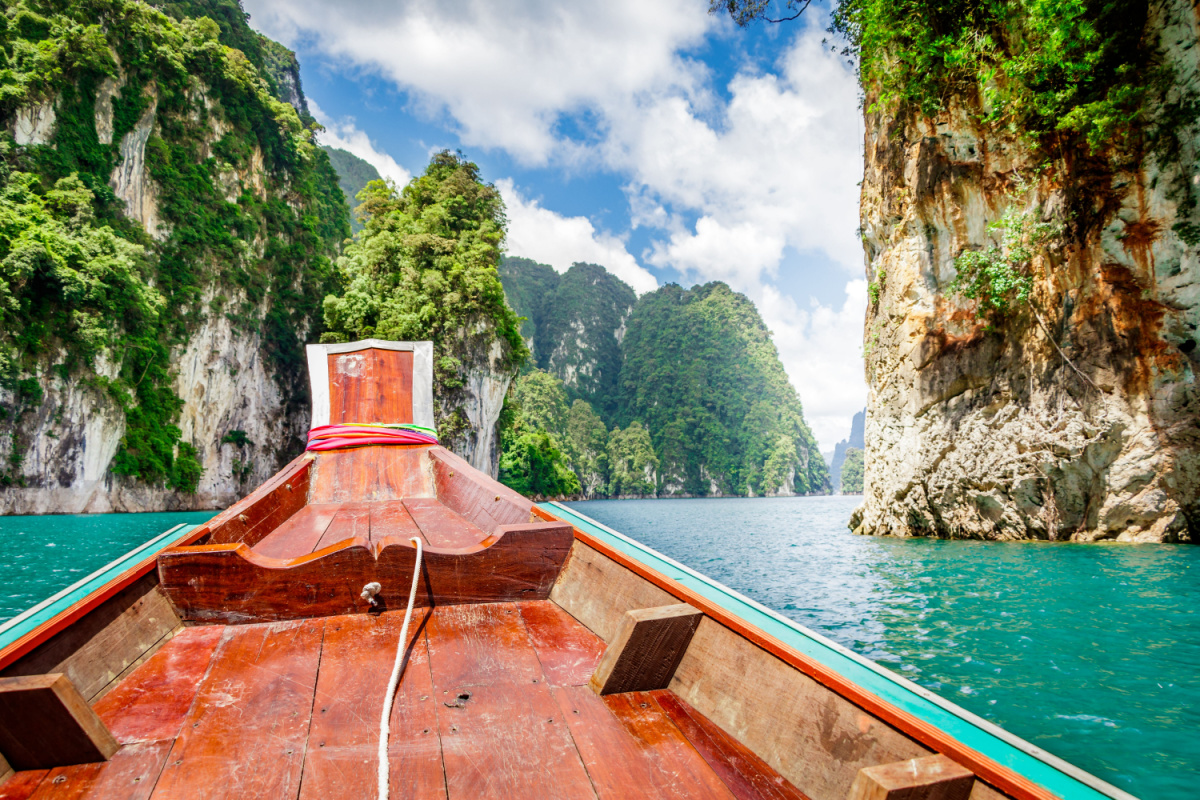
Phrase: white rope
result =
(394, 681)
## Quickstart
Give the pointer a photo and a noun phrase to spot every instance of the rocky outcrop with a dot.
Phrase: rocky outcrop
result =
(856, 441)
(130, 180)
(469, 415)
(35, 124)
(1075, 416)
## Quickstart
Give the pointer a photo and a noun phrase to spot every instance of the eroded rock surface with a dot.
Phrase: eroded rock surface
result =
(1074, 418)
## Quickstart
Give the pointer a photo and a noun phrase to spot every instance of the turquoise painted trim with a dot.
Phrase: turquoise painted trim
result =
(26, 621)
(1039, 766)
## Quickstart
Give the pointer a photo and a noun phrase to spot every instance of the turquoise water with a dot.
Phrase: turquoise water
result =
(1088, 651)
(41, 555)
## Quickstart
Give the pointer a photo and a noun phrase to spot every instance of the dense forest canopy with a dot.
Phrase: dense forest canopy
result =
(85, 292)
(424, 268)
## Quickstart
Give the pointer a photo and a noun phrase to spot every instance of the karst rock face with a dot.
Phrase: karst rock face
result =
(1075, 416)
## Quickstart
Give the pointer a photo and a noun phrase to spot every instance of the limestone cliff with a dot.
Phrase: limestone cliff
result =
(1075, 416)
(210, 193)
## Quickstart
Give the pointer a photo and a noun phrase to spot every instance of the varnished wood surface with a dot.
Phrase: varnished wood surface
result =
(371, 386)
(291, 710)
(364, 474)
(232, 583)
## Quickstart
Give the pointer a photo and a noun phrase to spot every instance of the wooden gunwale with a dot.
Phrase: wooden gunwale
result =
(1000, 776)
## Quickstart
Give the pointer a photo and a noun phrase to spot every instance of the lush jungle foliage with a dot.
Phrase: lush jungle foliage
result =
(424, 268)
(353, 176)
(852, 472)
(571, 320)
(702, 404)
(87, 295)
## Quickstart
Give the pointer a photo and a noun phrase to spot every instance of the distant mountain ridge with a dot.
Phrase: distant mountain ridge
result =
(353, 174)
(856, 441)
(694, 370)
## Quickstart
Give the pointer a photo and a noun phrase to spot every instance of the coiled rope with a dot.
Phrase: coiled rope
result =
(394, 680)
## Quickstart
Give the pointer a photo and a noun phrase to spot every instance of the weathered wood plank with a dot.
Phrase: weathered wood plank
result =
(485, 502)
(265, 509)
(929, 778)
(6, 770)
(152, 702)
(442, 527)
(810, 735)
(356, 661)
(405, 471)
(129, 775)
(231, 583)
(371, 385)
(747, 776)
(45, 722)
(298, 535)
(22, 785)
(597, 591)
(646, 650)
(100, 646)
(351, 521)
(503, 735)
(246, 735)
(391, 518)
(567, 651)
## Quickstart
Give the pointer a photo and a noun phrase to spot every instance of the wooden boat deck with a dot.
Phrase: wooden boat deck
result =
(493, 704)
(320, 525)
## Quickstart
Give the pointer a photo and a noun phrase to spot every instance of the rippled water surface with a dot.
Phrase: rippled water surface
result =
(1090, 651)
(41, 555)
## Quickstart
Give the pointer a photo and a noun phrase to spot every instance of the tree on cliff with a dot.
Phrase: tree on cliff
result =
(424, 267)
(632, 461)
(532, 460)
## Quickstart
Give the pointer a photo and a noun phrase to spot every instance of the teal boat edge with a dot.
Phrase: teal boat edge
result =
(1041, 767)
(13, 629)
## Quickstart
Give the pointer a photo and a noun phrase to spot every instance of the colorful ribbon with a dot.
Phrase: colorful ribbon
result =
(361, 434)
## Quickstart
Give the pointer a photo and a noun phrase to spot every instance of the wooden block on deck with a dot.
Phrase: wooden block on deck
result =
(45, 722)
(6, 770)
(929, 778)
(647, 649)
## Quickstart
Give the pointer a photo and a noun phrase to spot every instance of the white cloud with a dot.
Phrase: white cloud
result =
(503, 70)
(821, 349)
(345, 135)
(541, 234)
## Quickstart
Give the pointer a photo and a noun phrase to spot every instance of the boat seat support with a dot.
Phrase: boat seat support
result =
(45, 723)
(930, 778)
(647, 649)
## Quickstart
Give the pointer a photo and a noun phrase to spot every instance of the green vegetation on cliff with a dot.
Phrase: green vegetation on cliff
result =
(424, 267)
(852, 472)
(84, 284)
(701, 405)
(574, 321)
(353, 176)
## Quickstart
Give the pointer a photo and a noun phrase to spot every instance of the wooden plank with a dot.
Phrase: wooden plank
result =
(391, 518)
(577, 588)
(485, 502)
(22, 785)
(351, 521)
(567, 651)
(265, 509)
(247, 732)
(929, 778)
(812, 736)
(298, 535)
(597, 591)
(371, 385)
(45, 722)
(646, 650)
(97, 648)
(405, 471)
(151, 703)
(356, 661)
(747, 776)
(129, 775)
(503, 735)
(231, 583)
(441, 526)
(631, 749)
(6, 770)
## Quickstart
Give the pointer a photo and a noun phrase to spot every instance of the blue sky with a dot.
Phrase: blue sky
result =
(653, 138)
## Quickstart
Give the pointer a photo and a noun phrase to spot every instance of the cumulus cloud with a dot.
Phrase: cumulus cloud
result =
(504, 71)
(345, 135)
(821, 349)
(543, 235)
